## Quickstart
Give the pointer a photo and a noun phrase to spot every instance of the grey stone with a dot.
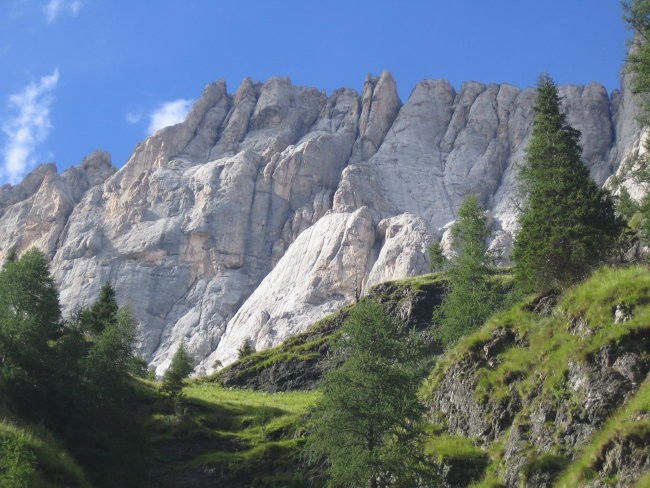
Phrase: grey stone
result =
(266, 209)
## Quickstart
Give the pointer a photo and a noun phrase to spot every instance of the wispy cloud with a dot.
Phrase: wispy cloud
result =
(133, 117)
(169, 113)
(28, 126)
(55, 8)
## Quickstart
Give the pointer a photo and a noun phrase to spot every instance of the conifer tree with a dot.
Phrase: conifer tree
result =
(471, 297)
(637, 16)
(181, 366)
(102, 313)
(568, 224)
(30, 318)
(108, 360)
(437, 260)
(367, 427)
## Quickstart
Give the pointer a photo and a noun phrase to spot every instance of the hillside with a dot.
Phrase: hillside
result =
(551, 392)
(301, 361)
(31, 453)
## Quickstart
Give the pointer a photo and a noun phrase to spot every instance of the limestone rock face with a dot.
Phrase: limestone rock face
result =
(268, 208)
(34, 212)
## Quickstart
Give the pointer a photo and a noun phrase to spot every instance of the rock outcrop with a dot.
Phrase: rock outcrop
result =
(267, 209)
(553, 384)
(301, 361)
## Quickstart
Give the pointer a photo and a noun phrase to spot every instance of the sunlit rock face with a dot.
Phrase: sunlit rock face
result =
(270, 207)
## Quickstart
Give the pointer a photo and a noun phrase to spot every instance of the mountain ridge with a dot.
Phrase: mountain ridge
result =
(269, 208)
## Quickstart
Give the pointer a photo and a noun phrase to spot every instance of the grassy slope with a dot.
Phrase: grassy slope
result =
(52, 465)
(234, 431)
(301, 348)
(539, 365)
(251, 438)
(234, 436)
(306, 350)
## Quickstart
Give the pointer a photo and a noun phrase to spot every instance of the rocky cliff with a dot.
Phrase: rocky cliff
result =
(551, 392)
(268, 208)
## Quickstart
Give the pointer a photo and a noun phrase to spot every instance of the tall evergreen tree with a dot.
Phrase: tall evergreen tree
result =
(367, 425)
(471, 297)
(637, 16)
(181, 367)
(30, 318)
(102, 313)
(107, 362)
(568, 224)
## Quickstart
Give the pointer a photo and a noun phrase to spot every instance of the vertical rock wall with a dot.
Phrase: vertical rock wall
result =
(271, 207)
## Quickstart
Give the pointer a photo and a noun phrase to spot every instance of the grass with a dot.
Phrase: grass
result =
(546, 344)
(235, 432)
(244, 405)
(454, 449)
(535, 365)
(631, 420)
(53, 466)
(422, 282)
(302, 347)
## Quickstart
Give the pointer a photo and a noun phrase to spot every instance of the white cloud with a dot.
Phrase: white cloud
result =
(169, 113)
(28, 127)
(133, 117)
(54, 8)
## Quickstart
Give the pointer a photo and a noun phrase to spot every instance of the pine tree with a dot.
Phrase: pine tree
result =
(637, 16)
(181, 367)
(30, 318)
(109, 358)
(102, 313)
(245, 349)
(437, 260)
(568, 224)
(367, 426)
(471, 297)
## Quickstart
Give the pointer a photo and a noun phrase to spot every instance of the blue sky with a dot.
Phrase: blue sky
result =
(79, 75)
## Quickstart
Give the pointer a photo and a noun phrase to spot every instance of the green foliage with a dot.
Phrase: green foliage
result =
(71, 378)
(531, 368)
(103, 312)
(637, 16)
(644, 210)
(472, 297)
(625, 206)
(16, 462)
(368, 424)
(108, 360)
(245, 349)
(39, 458)
(262, 417)
(437, 259)
(29, 320)
(249, 438)
(181, 366)
(568, 224)
(446, 448)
